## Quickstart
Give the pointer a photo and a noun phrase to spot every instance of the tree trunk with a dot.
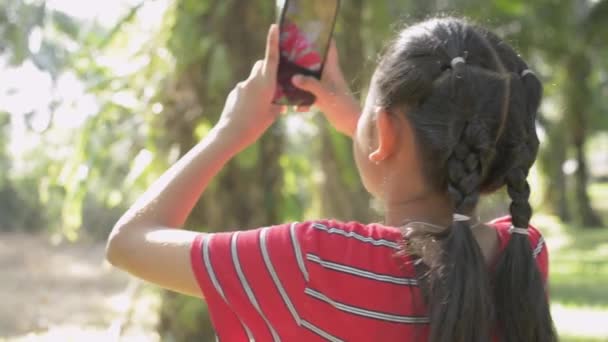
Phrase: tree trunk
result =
(588, 216)
(342, 194)
(551, 160)
(350, 43)
(558, 184)
(245, 194)
(578, 103)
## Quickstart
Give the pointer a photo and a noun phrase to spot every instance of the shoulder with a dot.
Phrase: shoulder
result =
(502, 226)
(334, 252)
(329, 231)
(372, 247)
(538, 245)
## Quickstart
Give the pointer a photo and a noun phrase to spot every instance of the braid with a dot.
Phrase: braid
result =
(518, 280)
(464, 93)
(468, 294)
(463, 179)
(519, 191)
(468, 165)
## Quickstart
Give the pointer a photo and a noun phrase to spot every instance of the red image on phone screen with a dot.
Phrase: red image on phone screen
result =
(306, 27)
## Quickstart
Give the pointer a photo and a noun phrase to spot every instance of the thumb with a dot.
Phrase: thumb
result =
(310, 84)
(333, 57)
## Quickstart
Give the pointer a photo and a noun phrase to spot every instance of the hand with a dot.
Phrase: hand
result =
(249, 111)
(333, 96)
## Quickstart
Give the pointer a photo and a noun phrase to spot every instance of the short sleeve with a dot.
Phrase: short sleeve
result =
(253, 281)
(540, 251)
(537, 243)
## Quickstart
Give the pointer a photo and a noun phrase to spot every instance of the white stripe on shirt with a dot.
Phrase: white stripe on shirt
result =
(365, 239)
(539, 247)
(320, 332)
(275, 278)
(245, 284)
(215, 282)
(283, 293)
(361, 273)
(367, 313)
(297, 251)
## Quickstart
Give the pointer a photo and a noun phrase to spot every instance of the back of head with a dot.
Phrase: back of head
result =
(472, 103)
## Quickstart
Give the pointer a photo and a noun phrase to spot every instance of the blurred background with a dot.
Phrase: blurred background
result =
(97, 98)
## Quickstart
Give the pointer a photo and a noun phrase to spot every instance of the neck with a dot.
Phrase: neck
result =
(430, 208)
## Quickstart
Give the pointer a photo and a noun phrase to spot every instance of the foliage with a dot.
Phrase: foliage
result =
(127, 99)
(112, 139)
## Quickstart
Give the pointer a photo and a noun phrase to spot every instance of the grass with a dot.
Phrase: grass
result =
(578, 277)
(579, 274)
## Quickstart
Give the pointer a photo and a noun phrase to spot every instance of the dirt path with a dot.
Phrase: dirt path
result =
(68, 293)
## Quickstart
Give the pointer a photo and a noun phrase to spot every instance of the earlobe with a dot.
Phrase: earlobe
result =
(386, 135)
(376, 157)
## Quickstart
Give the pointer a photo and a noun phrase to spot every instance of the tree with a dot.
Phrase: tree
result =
(213, 54)
(343, 196)
(158, 90)
(580, 101)
(557, 39)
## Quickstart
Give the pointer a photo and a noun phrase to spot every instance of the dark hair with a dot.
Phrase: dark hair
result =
(474, 124)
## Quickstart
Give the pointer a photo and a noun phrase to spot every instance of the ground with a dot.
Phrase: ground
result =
(67, 292)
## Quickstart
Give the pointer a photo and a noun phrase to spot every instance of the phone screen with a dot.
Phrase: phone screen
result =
(306, 27)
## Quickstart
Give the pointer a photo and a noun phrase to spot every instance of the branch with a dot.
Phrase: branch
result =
(119, 25)
(595, 23)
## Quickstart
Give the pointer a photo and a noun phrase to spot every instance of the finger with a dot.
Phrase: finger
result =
(255, 70)
(333, 60)
(284, 109)
(332, 55)
(308, 83)
(303, 109)
(271, 60)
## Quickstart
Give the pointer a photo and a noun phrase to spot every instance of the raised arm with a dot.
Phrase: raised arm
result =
(144, 242)
(333, 95)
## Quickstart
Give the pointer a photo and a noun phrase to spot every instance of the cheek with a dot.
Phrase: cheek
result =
(360, 156)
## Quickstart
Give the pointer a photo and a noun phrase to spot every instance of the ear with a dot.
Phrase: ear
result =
(386, 131)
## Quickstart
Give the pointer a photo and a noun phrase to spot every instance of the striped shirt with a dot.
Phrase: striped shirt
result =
(317, 281)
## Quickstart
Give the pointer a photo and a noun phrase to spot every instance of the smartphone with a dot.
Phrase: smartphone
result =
(306, 28)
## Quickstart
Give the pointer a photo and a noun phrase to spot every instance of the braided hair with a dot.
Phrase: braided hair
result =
(473, 109)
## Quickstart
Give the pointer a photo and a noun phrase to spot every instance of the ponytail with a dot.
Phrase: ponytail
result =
(522, 307)
(459, 301)
(472, 102)
(459, 294)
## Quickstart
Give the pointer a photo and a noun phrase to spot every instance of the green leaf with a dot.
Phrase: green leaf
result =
(66, 24)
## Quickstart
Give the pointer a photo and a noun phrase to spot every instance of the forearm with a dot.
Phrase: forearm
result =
(169, 201)
(343, 115)
(348, 124)
(142, 242)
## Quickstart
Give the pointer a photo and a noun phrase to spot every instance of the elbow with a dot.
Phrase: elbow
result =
(120, 241)
(123, 243)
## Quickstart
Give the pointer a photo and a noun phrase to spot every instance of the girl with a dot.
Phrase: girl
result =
(450, 115)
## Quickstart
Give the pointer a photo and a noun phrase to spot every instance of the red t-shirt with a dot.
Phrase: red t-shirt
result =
(317, 281)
